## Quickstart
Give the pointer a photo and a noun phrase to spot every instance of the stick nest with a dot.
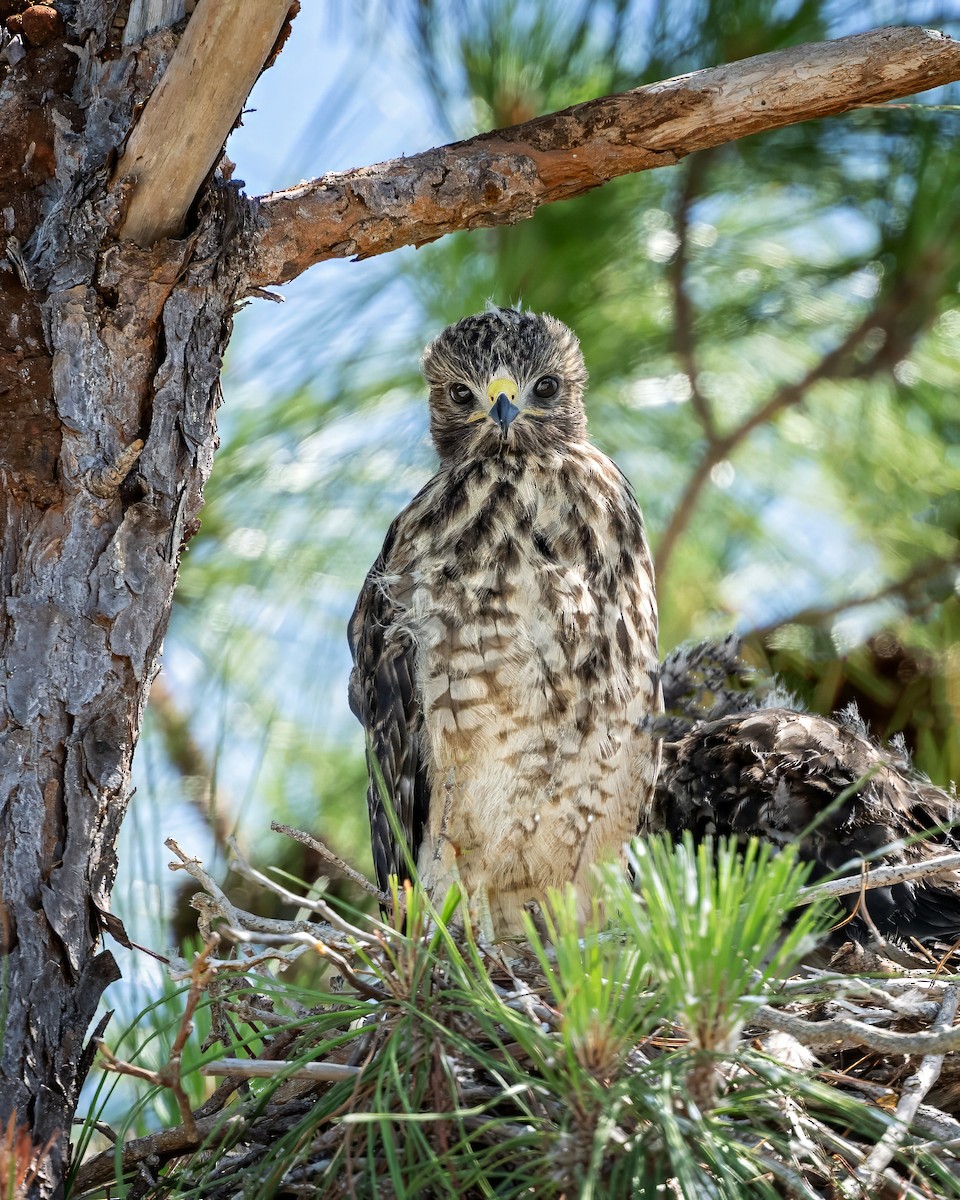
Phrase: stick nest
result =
(433, 1066)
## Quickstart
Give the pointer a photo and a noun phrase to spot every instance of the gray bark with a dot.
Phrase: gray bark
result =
(109, 362)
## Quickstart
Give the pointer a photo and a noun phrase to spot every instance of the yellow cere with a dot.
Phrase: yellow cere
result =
(503, 384)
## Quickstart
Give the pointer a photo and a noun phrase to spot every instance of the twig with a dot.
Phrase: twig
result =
(245, 927)
(242, 965)
(312, 901)
(263, 1068)
(313, 904)
(194, 868)
(911, 1096)
(879, 877)
(872, 1014)
(876, 1091)
(254, 923)
(169, 1074)
(105, 1130)
(837, 1029)
(902, 983)
(932, 1122)
(913, 1008)
(252, 1014)
(787, 396)
(850, 1153)
(791, 1179)
(877, 941)
(324, 949)
(334, 859)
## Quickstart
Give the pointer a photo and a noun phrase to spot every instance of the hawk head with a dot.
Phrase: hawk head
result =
(504, 382)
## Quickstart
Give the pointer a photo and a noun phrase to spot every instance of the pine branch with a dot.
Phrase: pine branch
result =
(503, 176)
(832, 365)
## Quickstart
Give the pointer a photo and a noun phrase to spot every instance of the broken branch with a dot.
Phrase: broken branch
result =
(178, 139)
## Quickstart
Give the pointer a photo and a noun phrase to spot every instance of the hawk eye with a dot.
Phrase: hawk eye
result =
(460, 393)
(546, 387)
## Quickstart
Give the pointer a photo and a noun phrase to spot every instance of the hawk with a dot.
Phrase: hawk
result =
(778, 774)
(505, 640)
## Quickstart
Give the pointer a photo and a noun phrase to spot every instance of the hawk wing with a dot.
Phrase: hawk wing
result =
(383, 695)
(777, 774)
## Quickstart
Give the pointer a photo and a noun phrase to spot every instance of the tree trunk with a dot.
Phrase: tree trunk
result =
(109, 363)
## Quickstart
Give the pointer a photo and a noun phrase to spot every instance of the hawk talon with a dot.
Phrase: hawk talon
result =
(481, 918)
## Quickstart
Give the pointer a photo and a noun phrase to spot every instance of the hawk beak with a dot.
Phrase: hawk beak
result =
(502, 394)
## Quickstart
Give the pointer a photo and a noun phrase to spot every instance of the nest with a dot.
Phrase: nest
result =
(434, 1066)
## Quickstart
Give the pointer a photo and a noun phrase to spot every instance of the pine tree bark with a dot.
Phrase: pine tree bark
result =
(109, 362)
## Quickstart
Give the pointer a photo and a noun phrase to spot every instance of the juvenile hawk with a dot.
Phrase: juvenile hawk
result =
(736, 763)
(505, 640)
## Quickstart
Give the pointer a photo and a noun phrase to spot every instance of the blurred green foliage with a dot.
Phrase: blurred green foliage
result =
(772, 334)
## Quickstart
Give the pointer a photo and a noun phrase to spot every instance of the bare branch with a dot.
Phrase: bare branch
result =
(880, 877)
(333, 859)
(324, 949)
(166, 1143)
(858, 1033)
(933, 1122)
(503, 176)
(169, 1075)
(306, 903)
(791, 394)
(261, 1068)
(863, 1182)
(194, 868)
(846, 1153)
(178, 139)
(904, 588)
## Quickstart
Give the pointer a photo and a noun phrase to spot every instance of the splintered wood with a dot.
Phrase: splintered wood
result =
(179, 137)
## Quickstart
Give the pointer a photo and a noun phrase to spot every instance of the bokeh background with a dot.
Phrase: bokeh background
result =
(808, 277)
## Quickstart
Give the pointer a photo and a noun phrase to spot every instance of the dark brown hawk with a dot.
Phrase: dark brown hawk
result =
(777, 773)
(505, 640)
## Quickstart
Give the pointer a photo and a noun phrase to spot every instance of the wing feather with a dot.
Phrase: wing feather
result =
(776, 774)
(384, 696)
